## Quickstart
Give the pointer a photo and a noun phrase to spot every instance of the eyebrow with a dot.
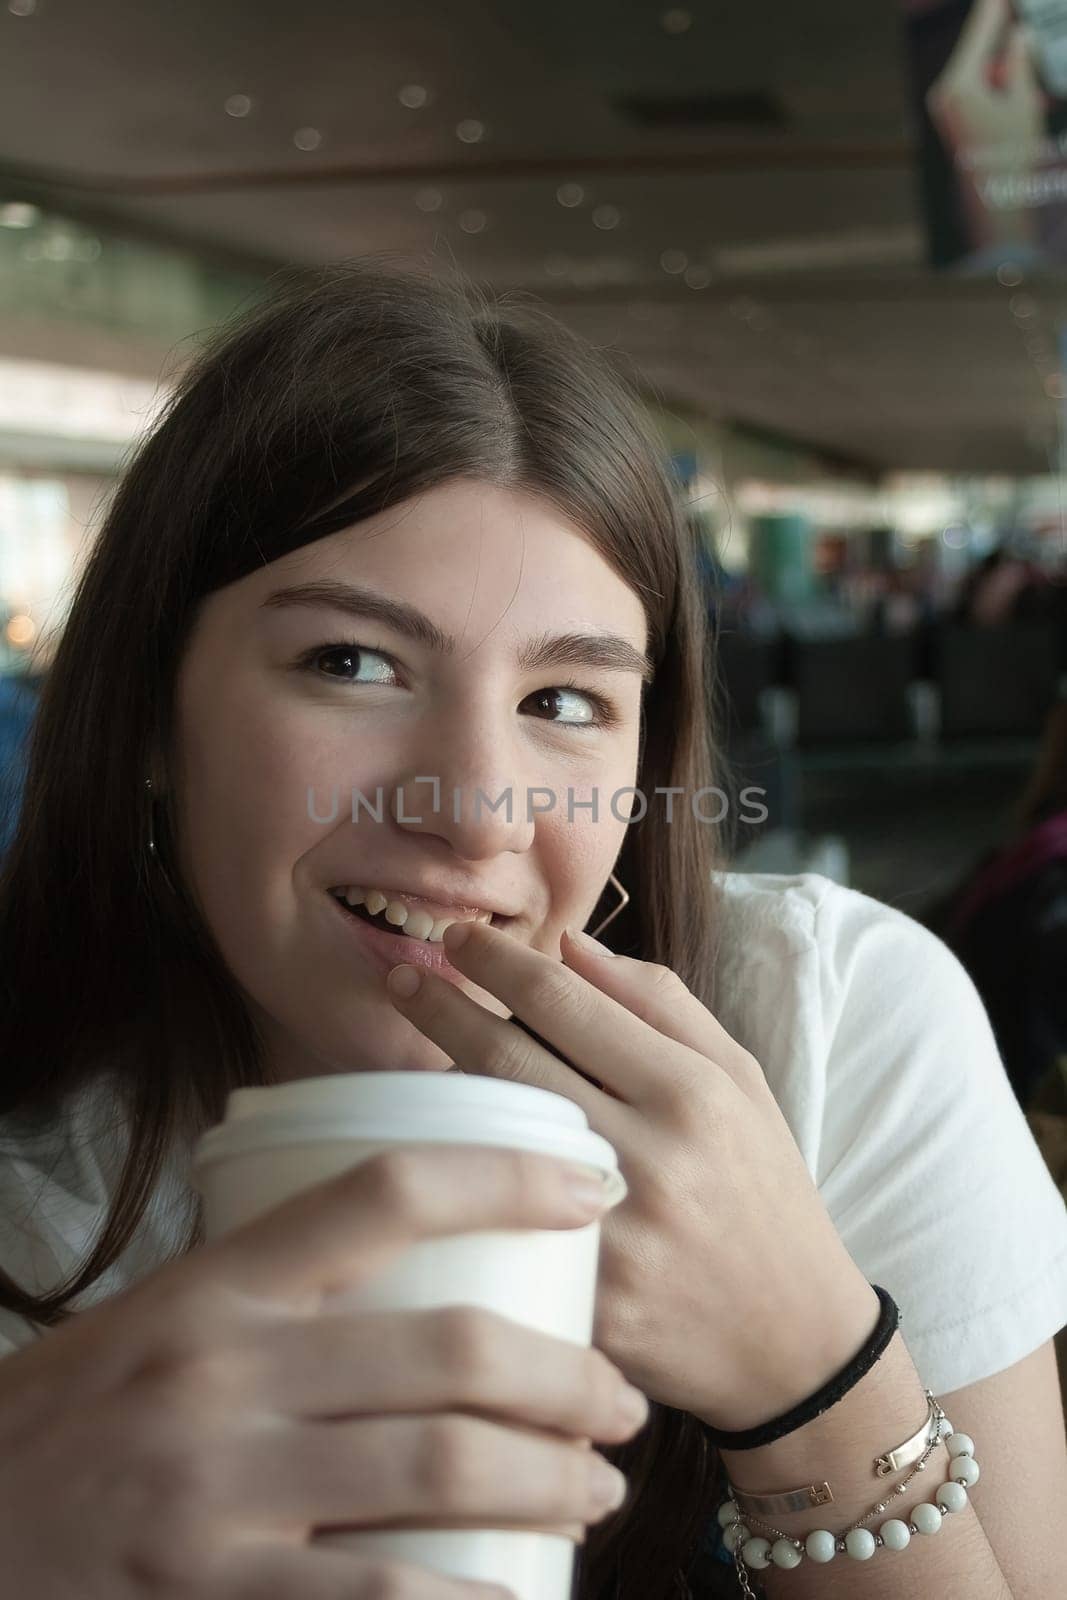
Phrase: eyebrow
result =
(607, 650)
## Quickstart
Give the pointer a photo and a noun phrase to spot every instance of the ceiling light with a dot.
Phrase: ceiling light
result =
(470, 130)
(570, 194)
(698, 277)
(307, 138)
(17, 214)
(72, 402)
(1021, 305)
(674, 260)
(429, 199)
(413, 95)
(238, 105)
(1009, 274)
(473, 221)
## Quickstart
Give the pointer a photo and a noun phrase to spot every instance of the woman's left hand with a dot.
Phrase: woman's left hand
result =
(724, 1288)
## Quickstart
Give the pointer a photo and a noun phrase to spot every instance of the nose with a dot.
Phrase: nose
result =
(468, 796)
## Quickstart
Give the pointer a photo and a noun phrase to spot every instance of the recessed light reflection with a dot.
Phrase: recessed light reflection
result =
(238, 105)
(674, 260)
(698, 277)
(676, 20)
(413, 95)
(473, 221)
(570, 194)
(607, 217)
(470, 130)
(307, 138)
(429, 199)
(20, 630)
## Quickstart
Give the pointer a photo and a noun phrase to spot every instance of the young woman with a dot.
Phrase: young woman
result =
(391, 536)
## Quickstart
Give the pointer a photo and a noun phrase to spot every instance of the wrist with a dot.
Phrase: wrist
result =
(840, 1446)
(847, 1319)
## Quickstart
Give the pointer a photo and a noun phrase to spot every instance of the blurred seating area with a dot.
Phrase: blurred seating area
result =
(888, 693)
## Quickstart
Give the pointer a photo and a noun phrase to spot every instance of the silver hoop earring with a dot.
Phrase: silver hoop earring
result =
(623, 903)
(152, 850)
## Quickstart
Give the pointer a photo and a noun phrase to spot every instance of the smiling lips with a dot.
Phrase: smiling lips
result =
(418, 919)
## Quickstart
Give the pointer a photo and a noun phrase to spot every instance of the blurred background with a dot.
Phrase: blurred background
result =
(830, 240)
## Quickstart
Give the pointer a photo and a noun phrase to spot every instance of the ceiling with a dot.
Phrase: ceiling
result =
(804, 307)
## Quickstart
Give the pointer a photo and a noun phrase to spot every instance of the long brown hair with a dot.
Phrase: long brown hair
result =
(395, 380)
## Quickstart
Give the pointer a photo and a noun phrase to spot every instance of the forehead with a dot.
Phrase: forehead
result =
(474, 557)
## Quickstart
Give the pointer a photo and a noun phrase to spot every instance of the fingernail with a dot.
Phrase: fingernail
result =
(608, 1484)
(587, 1186)
(585, 941)
(633, 1407)
(404, 981)
(457, 935)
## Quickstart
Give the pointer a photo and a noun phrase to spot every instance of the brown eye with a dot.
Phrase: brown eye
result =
(572, 707)
(347, 661)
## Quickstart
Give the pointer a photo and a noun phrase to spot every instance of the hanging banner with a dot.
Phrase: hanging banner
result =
(989, 81)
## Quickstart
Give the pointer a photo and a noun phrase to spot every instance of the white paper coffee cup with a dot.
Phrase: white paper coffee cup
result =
(276, 1141)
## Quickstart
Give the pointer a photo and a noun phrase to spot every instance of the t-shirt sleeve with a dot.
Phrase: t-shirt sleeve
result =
(34, 1250)
(15, 1331)
(926, 1163)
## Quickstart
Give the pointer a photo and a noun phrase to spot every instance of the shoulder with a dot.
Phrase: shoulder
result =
(59, 1168)
(857, 952)
(847, 1002)
(809, 910)
(880, 1052)
(822, 954)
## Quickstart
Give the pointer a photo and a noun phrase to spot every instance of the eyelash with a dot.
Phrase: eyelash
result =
(605, 713)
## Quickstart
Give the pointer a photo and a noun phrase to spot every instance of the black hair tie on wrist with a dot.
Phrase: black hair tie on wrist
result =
(827, 1396)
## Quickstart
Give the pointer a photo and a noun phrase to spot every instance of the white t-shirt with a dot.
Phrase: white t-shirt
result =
(879, 1053)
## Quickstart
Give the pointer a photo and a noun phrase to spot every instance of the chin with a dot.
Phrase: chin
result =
(416, 1055)
(387, 1042)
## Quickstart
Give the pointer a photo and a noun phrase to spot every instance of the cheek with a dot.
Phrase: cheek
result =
(579, 842)
(577, 857)
(259, 782)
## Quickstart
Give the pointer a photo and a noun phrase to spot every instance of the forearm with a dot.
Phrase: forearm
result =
(886, 1406)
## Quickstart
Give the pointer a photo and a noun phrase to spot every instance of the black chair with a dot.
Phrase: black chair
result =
(853, 690)
(997, 681)
(746, 667)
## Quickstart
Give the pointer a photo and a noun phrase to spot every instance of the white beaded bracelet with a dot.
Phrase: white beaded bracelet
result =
(858, 1542)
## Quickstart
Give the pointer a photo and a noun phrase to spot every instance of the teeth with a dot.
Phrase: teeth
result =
(416, 923)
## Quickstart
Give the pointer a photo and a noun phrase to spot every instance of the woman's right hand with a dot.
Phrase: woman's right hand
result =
(186, 1437)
